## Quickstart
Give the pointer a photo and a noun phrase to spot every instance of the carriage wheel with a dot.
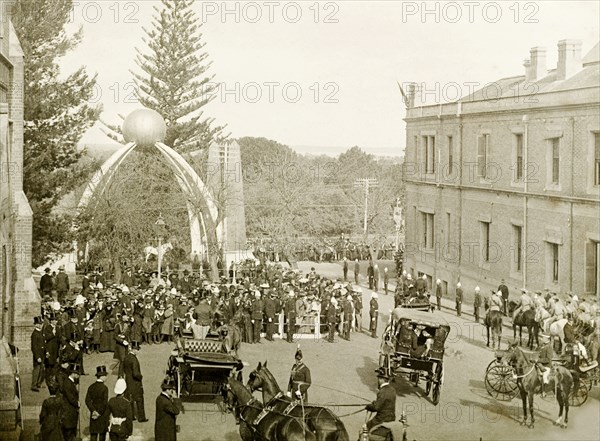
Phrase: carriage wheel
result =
(435, 397)
(428, 387)
(499, 382)
(178, 383)
(579, 396)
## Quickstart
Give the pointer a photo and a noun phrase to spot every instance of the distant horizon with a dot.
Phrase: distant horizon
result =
(312, 150)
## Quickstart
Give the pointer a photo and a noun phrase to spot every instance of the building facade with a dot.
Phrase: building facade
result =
(19, 295)
(505, 183)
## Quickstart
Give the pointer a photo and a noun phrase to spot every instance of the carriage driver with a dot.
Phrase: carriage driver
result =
(299, 379)
(384, 404)
(525, 304)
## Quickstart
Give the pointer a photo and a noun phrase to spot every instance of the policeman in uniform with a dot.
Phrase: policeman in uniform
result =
(348, 313)
(373, 312)
(459, 298)
(299, 379)
(121, 414)
(438, 293)
(385, 403)
(270, 312)
(257, 317)
(290, 314)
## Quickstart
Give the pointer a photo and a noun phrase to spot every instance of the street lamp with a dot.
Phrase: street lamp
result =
(160, 229)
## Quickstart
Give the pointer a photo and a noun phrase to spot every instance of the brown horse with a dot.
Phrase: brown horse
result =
(525, 319)
(258, 423)
(493, 321)
(529, 383)
(324, 423)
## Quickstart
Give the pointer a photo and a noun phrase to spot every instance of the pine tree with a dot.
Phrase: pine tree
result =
(57, 114)
(174, 80)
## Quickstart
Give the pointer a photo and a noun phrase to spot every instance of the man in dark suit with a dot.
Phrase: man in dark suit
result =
(290, 314)
(70, 396)
(62, 284)
(385, 403)
(96, 401)
(504, 289)
(51, 334)
(38, 349)
(46, 283)
(167, 409)
(133, 378)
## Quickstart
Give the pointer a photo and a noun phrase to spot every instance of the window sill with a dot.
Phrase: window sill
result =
(553, 187)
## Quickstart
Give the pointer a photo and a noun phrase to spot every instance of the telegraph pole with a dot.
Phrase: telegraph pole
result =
(366, 183)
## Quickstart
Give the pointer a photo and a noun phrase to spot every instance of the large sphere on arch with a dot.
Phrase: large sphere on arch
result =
(145, 127)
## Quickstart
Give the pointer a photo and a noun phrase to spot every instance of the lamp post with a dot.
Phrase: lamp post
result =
(160, 228)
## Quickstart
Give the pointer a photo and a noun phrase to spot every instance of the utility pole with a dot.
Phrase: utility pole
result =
(366, 183)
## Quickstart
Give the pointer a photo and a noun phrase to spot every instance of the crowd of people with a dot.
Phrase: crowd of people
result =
(101, 316)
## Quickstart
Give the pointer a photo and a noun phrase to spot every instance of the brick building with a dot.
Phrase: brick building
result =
(505, 182)
(20, 299)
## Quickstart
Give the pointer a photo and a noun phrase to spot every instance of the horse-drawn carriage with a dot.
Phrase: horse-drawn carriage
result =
(413, 346)
(416, 301)
(199, 369)
(501, 380)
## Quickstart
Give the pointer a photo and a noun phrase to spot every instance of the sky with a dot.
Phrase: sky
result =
(322, 76)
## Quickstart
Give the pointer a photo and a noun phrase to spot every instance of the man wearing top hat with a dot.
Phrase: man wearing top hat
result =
(300, 379)
(62, 284)
(121, 337)
(51, 334)
(38, 349)
(133, 378)
(385, 403)
(504, 290)
(167, 409)
(70, 396)
(46, 283)
(96, 401)
(121, 414)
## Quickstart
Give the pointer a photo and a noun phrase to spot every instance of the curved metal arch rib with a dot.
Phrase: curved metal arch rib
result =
(202, 211)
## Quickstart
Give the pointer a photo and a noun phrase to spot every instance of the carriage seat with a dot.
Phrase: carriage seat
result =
(193, 345)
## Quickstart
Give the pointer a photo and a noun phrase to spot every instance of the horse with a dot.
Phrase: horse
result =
(320, 420)
(528, 381)
(525, 319)
(256, 422)
(164, 248)
(493, 320)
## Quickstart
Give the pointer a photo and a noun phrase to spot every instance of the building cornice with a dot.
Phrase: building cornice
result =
(561, 198)
(503, 111)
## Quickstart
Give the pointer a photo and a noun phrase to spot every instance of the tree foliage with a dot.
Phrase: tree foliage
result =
(289, 195)
(57, 114)
(174, 79)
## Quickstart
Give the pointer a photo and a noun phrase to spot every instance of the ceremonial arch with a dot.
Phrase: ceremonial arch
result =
(146, 128)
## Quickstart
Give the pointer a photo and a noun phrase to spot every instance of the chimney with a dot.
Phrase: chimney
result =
(538, 63)
(569, 59)
(527, 66)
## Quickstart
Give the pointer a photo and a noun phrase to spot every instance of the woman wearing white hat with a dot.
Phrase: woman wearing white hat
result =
(121, 414)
